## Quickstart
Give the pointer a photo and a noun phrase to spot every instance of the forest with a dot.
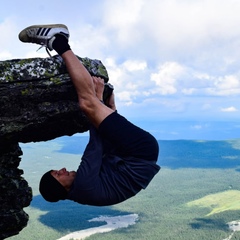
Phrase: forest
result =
(193, 197)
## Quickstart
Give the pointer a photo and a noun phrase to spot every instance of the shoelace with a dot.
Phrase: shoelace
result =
(46, 50)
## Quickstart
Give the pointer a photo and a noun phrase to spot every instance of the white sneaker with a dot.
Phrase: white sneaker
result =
(43, 35)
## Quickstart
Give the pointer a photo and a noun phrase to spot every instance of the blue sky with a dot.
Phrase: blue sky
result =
(167, 59)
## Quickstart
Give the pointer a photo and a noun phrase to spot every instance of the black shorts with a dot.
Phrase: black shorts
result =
(128, 139)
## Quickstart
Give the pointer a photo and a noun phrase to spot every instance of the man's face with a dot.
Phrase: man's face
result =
(65, 177)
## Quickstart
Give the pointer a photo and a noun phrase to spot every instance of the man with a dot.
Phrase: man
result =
(120, 158)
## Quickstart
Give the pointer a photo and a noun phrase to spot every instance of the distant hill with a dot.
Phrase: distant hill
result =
(176, 153)
(199, 154)
(73, 144)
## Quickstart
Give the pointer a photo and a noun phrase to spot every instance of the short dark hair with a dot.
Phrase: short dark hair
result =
(51, 189)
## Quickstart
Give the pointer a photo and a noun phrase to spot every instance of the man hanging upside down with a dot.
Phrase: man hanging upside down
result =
(120, 158)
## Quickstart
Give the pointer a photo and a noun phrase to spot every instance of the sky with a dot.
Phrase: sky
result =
(167, 59)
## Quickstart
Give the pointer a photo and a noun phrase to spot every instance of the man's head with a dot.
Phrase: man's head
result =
(54, 185)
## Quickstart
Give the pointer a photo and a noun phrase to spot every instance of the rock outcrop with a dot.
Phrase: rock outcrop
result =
(37, 103)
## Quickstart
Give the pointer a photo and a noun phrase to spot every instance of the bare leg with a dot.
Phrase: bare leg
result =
(89, 103)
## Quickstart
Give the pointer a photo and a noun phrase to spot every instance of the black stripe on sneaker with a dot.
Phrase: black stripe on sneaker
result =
(39, 30)
(47, 31)
(43, 31)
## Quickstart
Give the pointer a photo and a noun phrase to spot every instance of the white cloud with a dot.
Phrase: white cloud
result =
(132, 65)
(88, 40)
(122, 16)
(177, 23)
(202, 76)
(175, 78)
(126, 96)
(166, 77)
(116, 74)
(225, 86)
(229, 109)
(128, 79)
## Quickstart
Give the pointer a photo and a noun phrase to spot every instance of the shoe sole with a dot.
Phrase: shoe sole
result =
(23, 34)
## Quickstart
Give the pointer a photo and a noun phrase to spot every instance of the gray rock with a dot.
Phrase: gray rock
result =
(37, 103)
